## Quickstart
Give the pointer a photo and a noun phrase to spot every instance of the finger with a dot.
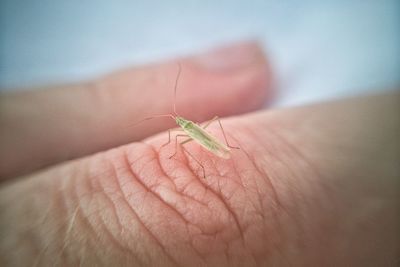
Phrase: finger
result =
(302, 176)
(42, 127)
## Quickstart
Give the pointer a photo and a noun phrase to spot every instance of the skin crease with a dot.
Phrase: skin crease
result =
(311, 186)
(301, 191)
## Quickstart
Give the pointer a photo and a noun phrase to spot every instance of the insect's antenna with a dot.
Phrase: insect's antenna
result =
(152, 117)
(176, 86)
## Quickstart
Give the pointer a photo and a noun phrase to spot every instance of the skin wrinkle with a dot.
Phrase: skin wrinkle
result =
(215, 194)
(261, 213)
(59, 202)
(116, 192)
(40, 223)
(114, 209)
(86, 216)
(251, 203)
(125, 199)
(203, 257)
(299, 231)
(315, 188)
(276, 199)
(191, 169)
(263, 173)
(29, 231)
(152, 236)
(182, 215)
(239, 184)
(236, 220)
(329, 203)
(95, 233)
(235, 173)
(58, 197)
(103, 231)
(107, 231)
(198, 177)
(278, 223)
(264, 163)
(242, 228)
(231, 211)
(68, 232)
(70, 194)
(318, 175)
(185, 196)
(152, 188)
(161, 166)
(114, 240)
(299, 154)
(191, 181)
(136, 177)
(80, 210)
(82, 253)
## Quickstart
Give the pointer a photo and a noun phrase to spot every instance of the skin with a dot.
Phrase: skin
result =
(311, 186)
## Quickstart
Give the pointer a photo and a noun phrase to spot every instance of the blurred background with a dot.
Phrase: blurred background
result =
(318, 49)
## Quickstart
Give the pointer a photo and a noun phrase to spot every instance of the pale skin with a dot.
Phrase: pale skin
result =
(311, 186)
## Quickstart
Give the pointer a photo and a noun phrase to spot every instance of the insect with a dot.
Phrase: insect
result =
(195, 132)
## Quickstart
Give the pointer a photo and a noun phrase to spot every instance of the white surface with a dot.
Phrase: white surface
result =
(319, 49)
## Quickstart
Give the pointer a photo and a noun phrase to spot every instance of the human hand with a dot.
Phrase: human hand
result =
(302, 190)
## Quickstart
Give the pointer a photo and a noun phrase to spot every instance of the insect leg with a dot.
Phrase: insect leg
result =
(198, 162)
(209, 122)
(169, 136)
(223, 132)
(169, 139)
(222, 129)
(186, 141)
(176, 143)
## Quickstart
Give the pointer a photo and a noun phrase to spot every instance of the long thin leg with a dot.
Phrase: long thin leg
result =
(186, 141)
(182, 143)
(209, 122)
(169, 136)
(169, 139)
(223, 132)
(222, 129)
(176, 143)
(198, 162)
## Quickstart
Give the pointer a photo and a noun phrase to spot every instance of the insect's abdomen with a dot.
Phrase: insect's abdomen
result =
(207, 141)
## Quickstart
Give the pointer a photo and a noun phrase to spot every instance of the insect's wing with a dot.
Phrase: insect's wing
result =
(208, 141)
(219, 149)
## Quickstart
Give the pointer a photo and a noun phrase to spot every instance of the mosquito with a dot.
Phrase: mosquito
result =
(195, 132)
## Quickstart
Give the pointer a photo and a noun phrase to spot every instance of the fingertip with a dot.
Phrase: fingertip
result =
(225, 81)
(230, 58)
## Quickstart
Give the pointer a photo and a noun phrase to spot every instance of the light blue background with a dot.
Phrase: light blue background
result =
(318, 49)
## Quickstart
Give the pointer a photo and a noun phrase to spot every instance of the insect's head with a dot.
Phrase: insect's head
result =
(182, 122)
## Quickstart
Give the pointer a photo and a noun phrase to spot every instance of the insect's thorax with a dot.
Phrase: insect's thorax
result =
(185, 124)
(193, 130)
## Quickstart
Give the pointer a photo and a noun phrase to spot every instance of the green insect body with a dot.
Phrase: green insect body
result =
(203, 138)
